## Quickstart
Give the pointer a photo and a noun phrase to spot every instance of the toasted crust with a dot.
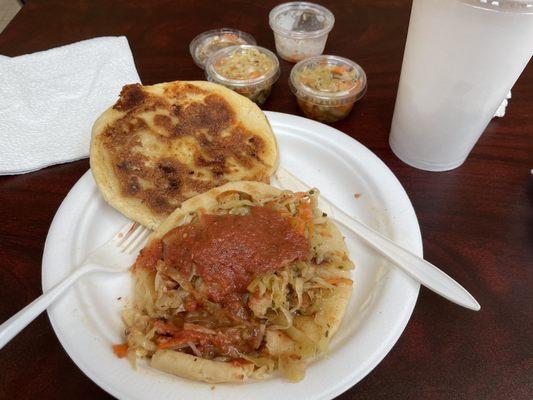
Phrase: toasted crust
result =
(160, 145)
(208, 201)
(192, 367)
(331, 314)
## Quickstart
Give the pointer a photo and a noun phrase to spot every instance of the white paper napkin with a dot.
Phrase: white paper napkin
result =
(49, 100)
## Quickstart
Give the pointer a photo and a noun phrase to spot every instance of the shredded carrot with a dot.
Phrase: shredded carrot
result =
(255, 74)
(230, 36)
(191, 336)
(342, 281)
(171, 343)
(338, 69)
(239, 362)
(121, 350)
(270, 203)
(285, 213)
(305, 211)
(165, 328)
(297, 224)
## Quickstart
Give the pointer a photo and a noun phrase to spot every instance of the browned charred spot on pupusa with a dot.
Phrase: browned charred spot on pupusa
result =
(214, 114)
(157, 202)
(133, 186)
(123, 135)
(242, 148)
(258, 144)
(175, 109)
(163, 121)
(131, 96)
(174, 184)
(167, 168)
(189, 88)
(217, 164)
(181, 90)
(171, 171)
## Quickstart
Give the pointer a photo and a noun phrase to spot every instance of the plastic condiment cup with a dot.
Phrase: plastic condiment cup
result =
(257, 88)
(202, 46)
(300, 29)
(327, 105)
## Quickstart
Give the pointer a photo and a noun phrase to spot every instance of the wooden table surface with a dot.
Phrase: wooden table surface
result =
(476, 221)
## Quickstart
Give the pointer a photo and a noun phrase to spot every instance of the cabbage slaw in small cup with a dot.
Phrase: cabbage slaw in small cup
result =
(209, 42)
(326, 87)
(249, 70)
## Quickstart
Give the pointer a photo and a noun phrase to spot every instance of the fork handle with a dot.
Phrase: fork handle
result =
(20, 320)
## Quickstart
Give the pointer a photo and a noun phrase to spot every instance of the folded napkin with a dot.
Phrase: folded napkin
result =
(49, 100)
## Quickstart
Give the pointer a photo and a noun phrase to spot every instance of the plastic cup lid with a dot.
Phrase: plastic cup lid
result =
(209, 42)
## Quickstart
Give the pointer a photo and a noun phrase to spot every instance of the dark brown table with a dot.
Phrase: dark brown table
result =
(476, 221)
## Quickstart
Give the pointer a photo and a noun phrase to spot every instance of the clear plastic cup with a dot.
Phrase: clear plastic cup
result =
(326, 87)
(300, 29)
(461, 59)
(249, 70)
(209, 42)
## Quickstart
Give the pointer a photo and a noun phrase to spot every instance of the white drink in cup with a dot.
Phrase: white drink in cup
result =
(461, 59)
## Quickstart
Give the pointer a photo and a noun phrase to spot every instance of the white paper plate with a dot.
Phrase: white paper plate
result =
(87, 319)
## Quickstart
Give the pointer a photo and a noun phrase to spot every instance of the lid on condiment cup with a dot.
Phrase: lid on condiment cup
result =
(328, 80)
(244, 65)
(301, 19)
(209, 42)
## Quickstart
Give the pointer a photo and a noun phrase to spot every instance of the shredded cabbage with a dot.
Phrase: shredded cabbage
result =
(289, 301)
(292, 368)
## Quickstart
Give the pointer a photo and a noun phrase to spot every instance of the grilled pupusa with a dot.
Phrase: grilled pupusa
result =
(160, 145)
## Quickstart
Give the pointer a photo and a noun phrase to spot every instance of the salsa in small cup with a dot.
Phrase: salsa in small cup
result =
(248, 70)
(209, 42)
(326, 87)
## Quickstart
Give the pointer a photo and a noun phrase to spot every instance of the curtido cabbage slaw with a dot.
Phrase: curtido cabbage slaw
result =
(285, 321)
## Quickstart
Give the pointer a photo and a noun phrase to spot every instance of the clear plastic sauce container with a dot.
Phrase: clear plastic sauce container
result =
(300, 29)
(248, 70)
(209, 42)
(326, 87)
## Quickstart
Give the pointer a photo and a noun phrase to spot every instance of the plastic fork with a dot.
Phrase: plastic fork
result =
(117, 255)
(417, 268)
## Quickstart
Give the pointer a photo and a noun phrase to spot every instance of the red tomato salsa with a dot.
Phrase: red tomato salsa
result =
(228, 251)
